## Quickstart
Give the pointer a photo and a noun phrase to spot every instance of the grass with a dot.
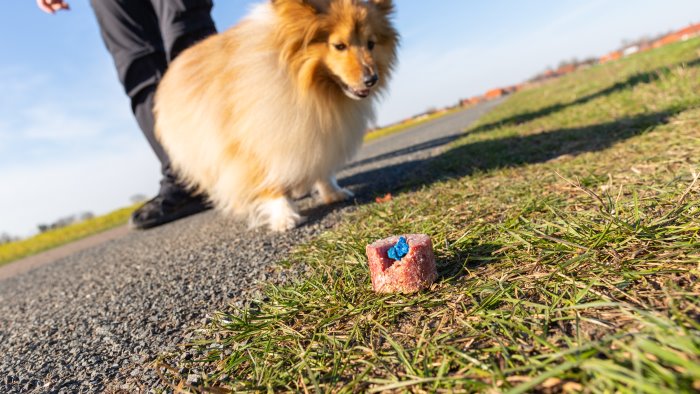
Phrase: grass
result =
(13, 251)
(566, 225)
(397, 128)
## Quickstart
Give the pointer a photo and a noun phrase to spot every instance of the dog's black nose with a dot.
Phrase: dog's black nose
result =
(371, 80)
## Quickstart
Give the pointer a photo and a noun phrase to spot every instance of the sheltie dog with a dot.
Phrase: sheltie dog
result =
(276, 105)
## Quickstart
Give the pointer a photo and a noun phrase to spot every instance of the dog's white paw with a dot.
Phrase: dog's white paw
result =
(281, 224)
(280, 214)
(337, 195)
(330, 192)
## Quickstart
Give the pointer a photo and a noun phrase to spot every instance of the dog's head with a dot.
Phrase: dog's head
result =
(351, 44)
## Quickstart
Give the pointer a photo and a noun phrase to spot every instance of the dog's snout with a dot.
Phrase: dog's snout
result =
(371, 80)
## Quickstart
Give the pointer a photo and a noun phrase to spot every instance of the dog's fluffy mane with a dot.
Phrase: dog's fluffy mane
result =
(231, 109)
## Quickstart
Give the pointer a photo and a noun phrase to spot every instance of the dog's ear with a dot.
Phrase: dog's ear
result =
(386, 6)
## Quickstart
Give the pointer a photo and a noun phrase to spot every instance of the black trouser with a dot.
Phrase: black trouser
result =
(143, 37)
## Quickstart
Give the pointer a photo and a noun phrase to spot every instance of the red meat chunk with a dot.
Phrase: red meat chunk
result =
(414, 272)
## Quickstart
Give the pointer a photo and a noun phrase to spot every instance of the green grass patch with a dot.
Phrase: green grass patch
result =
(566, 225)
(12, 251)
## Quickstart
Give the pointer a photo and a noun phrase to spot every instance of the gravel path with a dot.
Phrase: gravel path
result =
(92, 321)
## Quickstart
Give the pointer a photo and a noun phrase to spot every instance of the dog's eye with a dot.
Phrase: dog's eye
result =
(370, 45)
(340, 47)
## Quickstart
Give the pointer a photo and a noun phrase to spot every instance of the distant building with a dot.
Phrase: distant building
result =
(566, 69)
(611, 56)
(680, 35)
(630, 50)
(471, 101)
(689, 32)
(495, 93)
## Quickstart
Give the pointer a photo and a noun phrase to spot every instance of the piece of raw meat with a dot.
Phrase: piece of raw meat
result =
(405, 272)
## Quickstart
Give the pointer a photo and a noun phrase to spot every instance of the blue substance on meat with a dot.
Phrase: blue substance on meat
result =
(400, 250)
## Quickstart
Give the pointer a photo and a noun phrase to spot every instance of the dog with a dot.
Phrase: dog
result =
(275, 106)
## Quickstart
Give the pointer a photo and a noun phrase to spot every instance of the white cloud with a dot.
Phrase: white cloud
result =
(68, 146)
(44, 119)
(34, 194)
(49, 122)
(564, 23)
(17, 82)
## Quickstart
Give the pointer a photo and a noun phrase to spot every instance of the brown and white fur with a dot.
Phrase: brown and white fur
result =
(277, 104)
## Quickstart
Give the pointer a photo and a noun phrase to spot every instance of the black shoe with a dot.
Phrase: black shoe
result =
(169, 205)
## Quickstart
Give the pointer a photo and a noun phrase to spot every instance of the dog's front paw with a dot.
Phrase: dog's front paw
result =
(337, 195)
(281, 223)
(280, 215)
(330, 192)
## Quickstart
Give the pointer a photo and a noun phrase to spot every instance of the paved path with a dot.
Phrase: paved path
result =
(93, 320)
(52, 255)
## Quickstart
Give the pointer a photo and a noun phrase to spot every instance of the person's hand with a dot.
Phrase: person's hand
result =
(51, 6)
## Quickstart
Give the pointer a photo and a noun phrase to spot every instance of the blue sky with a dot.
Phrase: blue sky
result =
(69, 144)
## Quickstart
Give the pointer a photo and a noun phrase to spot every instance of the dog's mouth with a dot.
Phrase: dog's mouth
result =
(355, 94)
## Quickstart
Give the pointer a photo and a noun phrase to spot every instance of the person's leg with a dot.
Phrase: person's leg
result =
(131, 31)
(183, 23)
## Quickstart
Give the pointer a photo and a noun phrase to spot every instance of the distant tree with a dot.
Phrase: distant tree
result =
(643, 42)
(137, 198)
(7, 238)
(572, 62)
(60, 223)
(589, 61)
(63, 222)
(86, 216)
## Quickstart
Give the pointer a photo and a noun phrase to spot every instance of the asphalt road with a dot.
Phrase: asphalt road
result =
(94, 320)
(32, 262)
